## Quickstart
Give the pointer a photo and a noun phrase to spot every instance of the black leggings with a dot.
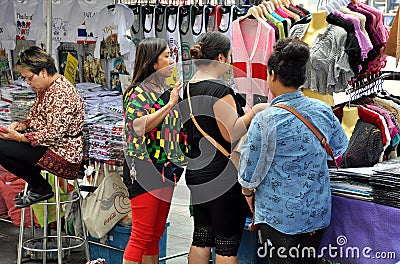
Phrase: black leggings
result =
(20, 159)
(289, 249)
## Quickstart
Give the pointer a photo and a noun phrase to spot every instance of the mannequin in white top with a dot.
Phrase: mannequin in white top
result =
(349, 120)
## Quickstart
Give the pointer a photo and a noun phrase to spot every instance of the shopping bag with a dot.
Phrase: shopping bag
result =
(103, 208)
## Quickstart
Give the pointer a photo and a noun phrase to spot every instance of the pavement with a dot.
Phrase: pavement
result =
(179, 235)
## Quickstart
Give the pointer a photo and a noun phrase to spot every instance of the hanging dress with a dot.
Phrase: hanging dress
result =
(161, 31)
(148, 26)
(198, 24)
(173, 38)
(224, 19)
(137, 26)
(186, 42)
(211, 18)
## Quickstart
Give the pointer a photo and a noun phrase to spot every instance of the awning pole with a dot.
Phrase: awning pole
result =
(48, 26)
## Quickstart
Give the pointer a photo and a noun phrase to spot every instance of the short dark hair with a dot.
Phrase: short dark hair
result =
(289, 60)
(209, 45)
(147, 55)
(35, 59)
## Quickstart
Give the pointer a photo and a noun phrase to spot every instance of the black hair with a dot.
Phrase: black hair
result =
(35, 59)
(289, 60)
(209, 45)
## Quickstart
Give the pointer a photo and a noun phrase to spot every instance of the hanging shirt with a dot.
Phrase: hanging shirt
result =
(225, 20)
(374, 118)
(24, 11)
(187, 42)
(199, 25)
(365, 45)
(110, 26)
(161, 31)
(66, 17)
(211, 18)
(380, 26)
(279, 25)
(352, 47)
(284, 22)
(89, 9)
(137, 26)
(173, 37)
(148, 26)
(393, 131)
(252, 42)
(7, 25)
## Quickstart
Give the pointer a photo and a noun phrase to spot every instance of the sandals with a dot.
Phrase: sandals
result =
(32, 198)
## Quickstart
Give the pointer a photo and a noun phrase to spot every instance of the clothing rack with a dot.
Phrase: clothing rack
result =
(371, 84)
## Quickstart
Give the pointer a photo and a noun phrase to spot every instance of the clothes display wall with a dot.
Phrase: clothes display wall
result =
(347, 44)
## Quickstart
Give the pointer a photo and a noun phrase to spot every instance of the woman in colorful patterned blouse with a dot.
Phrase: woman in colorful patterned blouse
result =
(155, 148)
(286, 163)
(50, 137)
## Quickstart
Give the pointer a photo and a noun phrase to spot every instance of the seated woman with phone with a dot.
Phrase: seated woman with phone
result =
(50, 137)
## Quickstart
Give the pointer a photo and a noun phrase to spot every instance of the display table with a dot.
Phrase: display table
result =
(362, 232)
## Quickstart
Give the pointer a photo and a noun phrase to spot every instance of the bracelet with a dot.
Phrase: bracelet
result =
(248, 195)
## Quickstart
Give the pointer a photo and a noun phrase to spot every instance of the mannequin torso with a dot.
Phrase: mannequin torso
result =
(349, 120)
(317, 25)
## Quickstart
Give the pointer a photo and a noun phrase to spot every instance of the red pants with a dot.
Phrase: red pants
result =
(149, 215)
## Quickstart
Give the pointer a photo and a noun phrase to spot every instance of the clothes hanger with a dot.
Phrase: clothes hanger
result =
(285, 3)
(264, 9)
(251, 12)
(275, 2)
(329, 8)
(260, 12)
(267, 6)
(271, 5)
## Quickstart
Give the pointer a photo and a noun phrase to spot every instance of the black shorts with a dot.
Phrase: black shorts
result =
(220, 222)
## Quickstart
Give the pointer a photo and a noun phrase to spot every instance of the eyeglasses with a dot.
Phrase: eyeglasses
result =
(28, 79)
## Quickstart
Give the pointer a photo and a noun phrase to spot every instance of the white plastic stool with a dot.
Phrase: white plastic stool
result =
(23, 244)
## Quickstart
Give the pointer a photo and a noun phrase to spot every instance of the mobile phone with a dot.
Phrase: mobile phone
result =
(2, 130)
